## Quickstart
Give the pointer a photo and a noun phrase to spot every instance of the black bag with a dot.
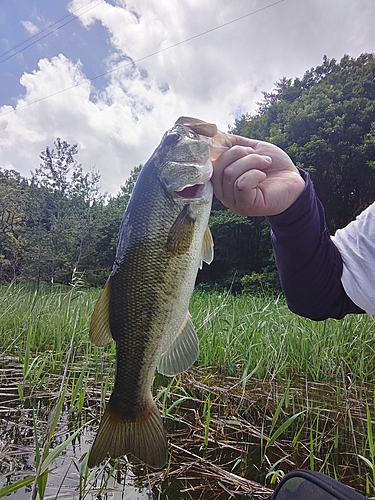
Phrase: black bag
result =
(309, 485)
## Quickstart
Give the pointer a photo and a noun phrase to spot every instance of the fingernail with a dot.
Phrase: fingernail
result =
(238, 183)
(267, 159)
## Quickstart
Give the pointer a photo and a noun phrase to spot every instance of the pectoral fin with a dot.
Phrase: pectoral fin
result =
(207, 248)
(181, 233)
(100, 331)
(182, 352)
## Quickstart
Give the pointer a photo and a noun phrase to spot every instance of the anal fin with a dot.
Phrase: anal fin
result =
(182, 352)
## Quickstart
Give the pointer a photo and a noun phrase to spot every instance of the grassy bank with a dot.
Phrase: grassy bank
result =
(240, 335)
(270, 390)
(249, 336)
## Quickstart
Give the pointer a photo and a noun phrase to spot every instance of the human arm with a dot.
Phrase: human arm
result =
(356, 244)
(257, 178)
(309, 264)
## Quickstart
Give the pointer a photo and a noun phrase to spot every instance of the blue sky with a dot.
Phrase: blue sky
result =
(203, 58)
(20, 24)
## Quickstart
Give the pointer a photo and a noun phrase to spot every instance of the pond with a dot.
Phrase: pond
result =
(227, 438)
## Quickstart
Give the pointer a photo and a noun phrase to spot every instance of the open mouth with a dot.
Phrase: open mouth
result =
(191, 192)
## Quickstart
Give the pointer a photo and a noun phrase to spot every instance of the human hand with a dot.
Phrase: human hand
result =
(256, 178)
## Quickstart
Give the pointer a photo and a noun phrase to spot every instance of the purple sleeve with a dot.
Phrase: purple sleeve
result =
(309, 264)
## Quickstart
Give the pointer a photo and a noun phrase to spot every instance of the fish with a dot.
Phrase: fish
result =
(144, 307)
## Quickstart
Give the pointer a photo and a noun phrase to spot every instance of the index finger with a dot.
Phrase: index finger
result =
(229, 162)
(239, 140)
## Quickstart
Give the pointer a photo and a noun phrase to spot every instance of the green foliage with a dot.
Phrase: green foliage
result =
(58, 222)
(263, 413)
(325, 122)
(250, 335)
(242, 245)
(14, 201)
(57, 226)
(265, 283)
(63, 220)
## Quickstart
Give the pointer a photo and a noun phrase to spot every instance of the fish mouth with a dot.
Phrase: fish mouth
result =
(192, 192)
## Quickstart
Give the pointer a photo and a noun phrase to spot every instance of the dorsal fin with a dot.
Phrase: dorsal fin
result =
(100, 331)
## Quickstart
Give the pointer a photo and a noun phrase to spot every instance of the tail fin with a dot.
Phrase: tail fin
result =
(145, 438)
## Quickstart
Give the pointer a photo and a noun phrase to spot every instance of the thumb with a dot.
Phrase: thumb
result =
(249, 181)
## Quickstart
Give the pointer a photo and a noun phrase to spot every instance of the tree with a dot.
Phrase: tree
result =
(13, 216)
(241, 246)
(58, 221)
(324, 121)
(62, 222)
(52, 179)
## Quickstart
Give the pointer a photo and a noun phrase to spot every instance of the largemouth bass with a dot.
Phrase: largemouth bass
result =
(163, 239)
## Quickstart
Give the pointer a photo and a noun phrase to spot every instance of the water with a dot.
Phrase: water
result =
(221, 453)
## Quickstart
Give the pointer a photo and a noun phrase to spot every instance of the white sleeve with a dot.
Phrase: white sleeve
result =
(356, 244)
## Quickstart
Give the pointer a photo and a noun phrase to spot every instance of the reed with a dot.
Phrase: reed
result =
(46, 333)
(242, 335)
(253, 386)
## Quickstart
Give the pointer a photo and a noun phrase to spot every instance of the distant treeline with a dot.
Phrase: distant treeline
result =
(56, 227)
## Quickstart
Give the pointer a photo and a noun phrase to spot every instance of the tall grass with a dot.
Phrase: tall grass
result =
(241, 336)
(44, 319)
(46, 334)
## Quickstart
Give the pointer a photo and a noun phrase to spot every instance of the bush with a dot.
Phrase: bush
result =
(264, 283)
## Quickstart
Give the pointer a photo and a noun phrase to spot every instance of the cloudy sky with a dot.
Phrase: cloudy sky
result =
(113, 75)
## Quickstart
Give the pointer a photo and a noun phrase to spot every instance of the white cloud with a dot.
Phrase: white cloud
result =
(30, 27)
(111, 132)
(214, 77)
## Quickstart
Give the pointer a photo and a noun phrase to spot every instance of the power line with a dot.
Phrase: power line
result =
(47, 28)
(42, 31)
(121, 66)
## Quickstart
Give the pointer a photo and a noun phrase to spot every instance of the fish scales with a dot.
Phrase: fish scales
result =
(143, 298)
(163, 238)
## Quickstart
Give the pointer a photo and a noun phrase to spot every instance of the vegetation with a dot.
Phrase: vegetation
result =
(270, 392)
(326, 123)
(57, 222)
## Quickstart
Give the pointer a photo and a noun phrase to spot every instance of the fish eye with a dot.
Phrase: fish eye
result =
(192, 135)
